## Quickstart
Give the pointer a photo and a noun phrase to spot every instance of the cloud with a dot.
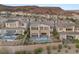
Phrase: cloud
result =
(24, 1)
(39, 1)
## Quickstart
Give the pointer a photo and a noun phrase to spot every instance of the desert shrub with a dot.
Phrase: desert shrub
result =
(66, 51)
(76, 41)
(65, 46)
(22, 52)
(48, 49)
(59, 50)
(54, 47)
(77, 45)
(38, 50)
(4, 50)
(77, 51)
(59, 46)
(69, 47)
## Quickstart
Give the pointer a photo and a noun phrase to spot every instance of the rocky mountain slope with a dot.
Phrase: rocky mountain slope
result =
(36, 9)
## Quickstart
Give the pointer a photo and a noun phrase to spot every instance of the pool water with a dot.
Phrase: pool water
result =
(8, 37)
(41, 39)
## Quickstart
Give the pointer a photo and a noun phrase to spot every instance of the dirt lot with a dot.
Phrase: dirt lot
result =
(63, 50)
(12, 49)
(53, 48)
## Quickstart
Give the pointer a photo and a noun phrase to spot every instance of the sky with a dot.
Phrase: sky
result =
(64, 4)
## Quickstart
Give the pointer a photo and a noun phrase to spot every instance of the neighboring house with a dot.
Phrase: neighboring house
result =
(67, 30)
(65, 26)
(18, 13)
(75, 16)
(12, 24)
(15, 31)
(23, 24)
(69, 36)
(15, 24)
(5, 13)
(2, 31)
(11, 34)
(2, 25)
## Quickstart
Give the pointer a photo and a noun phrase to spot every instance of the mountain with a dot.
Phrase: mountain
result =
(32, 9)
(39, 10)
(36, 9)
(5, 8)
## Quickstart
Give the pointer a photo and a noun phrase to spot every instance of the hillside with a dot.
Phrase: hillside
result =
(36, 9)
(5, 8)
(39, 10)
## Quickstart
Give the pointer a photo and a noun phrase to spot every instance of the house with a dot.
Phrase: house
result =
(67, 30)
(41, 31)
(15, 13)
(65, 26)
(5, 13)
(12, 24)
(66, 35)
(11, 34)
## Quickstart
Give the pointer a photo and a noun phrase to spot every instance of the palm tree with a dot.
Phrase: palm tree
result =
(25, 39)
(55, 33)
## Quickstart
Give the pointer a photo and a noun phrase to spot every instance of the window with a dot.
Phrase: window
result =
(77, 28)
(41, 28)
(45, 28)
(68, 29)
(60, 28)
(69, 37)
(34, 28)
(51, 32)
(43, 33)
(34, 35)
(51, 27)
(22, 24)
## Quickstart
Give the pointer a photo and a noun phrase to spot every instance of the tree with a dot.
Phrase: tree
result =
(27, 34)
(55, 33)
(73, 20)
(19, 37)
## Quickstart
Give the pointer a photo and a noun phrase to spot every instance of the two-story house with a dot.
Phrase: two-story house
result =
(41, 31)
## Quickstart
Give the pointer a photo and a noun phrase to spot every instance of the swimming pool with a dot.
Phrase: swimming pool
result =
(40, 39)
(8, 37)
